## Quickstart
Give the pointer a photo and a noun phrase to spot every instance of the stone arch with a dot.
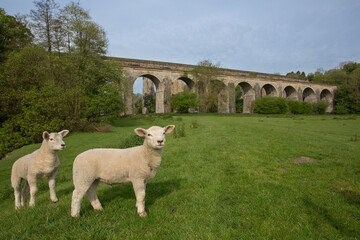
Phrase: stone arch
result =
(153, 78)
(309, 95)
(268, 90)
(178, 85)
(248, 94)
(326, 95)
(290, 93)
(159, 92)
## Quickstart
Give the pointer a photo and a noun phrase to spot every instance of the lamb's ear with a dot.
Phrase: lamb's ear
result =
(140, 132)
(46, 135)
(64, 132)
(169, 128)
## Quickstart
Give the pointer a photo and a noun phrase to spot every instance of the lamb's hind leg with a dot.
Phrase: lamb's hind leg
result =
(77, 196)
(93, 198)
(16, 184)
(24, 193)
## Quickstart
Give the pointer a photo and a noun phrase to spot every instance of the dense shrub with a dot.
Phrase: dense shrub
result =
(182, 101)
(320, 107)
(296, 107)
(49, 92)
(150, 102)
(239, 106)
(270, 105)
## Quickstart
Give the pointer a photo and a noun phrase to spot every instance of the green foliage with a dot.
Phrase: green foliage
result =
(207, 85)
(320, 107)
(138, 103)
(353, 87)
(296, 75)
(347, 79)
(343, 102)
(182, 101)
(131, 141)
(239, 101)
(14, 35)
(106, 103)
(253, 74)
(179, 131)
(297, 107)
(194, 123)
(150, 102)
(86, 36)
(41, 92)
(270, 105)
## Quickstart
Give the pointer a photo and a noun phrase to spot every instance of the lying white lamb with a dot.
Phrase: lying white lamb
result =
(111, 166)
(43, 162)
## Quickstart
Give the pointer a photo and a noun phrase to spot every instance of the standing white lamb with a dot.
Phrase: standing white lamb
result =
(43, 162)
(112, 166)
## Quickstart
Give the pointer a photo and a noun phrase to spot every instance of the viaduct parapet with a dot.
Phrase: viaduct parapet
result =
(168, 77)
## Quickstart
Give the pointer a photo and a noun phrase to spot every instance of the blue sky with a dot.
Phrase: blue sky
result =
(277, 36)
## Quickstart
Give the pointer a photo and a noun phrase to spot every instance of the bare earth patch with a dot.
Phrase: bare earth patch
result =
(301, 160)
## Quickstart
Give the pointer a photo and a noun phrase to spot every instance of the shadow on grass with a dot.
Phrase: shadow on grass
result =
(65, 191)
(154, 191)
(325, 215)
(351, 197)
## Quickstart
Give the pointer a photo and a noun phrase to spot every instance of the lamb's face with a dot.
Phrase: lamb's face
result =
(155, 136)
(55, 140)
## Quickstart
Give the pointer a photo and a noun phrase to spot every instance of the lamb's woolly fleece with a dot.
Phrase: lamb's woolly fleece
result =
(43, 162)
(113, 166)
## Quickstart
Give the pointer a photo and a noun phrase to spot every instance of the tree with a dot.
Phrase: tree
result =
(239, 101)
(150, 102)
(83, 35)
(354, 87)
(207, 86)
(14, 34)
(182, 101)
(45, 22)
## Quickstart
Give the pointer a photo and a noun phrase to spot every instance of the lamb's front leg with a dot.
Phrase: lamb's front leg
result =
(51, 181)
(139, 186)
(33, 190)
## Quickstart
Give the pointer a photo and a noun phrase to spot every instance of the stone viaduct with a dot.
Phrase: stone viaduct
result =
(253, 85)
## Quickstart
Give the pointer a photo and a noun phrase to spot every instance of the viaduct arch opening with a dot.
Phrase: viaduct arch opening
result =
(290, 93)
(309, 95)
(144, 94)
(326, 95)
(247, 96)
(268, 90)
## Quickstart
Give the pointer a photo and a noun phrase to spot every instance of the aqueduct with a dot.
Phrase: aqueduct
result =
(253, 85)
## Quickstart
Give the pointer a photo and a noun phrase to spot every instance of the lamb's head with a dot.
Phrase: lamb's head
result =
(154, 136)
(55, 140)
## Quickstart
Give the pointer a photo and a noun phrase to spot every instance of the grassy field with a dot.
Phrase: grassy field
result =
(229, 177)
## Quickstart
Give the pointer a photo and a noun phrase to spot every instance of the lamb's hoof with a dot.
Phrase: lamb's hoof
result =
(54, 200)
(17, 207)
(75, 215)
(98, 209)
(144, 213)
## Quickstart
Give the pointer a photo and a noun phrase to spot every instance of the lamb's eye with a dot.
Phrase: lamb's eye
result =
(51, 139)
(164, 133)
(149, 135)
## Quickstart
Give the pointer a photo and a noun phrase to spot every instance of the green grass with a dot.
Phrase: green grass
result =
(230, 177)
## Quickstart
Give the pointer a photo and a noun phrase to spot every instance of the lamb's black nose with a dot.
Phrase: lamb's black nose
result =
(160, 142)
